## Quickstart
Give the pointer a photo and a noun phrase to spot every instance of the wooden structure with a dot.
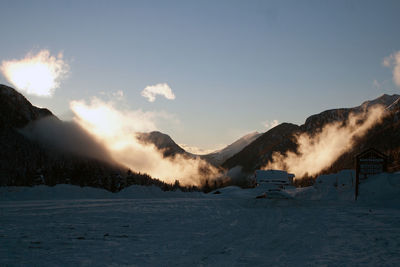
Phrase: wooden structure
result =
(369, 162)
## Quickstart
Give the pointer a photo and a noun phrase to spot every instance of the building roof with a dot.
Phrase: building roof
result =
(371, 151)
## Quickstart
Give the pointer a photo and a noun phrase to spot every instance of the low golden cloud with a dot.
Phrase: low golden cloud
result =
(116, 129)
(318, 152)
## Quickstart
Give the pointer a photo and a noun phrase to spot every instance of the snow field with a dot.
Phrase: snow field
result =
(143, 226)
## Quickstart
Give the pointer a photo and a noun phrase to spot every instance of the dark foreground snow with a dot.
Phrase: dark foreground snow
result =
(146, 227)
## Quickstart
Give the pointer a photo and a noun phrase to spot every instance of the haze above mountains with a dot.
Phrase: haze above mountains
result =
(67, 154)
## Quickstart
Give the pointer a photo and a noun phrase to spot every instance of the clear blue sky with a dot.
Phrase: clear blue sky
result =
(231, 64)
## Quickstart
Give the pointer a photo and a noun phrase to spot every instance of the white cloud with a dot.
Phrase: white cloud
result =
(387, 61)
(37, 74)
(118, 94)
(270, 124)
(113, 95)
(396, 69)
(151, 91)
(377, 84)
(393, 61)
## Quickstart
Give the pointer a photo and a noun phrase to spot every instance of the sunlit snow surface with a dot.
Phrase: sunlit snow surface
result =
(142, 226)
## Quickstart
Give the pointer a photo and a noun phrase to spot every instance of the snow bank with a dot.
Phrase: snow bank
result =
(337, 186)
(138, 191)
(64, 191)
(61, 191)
(233, 192)
(382, 188)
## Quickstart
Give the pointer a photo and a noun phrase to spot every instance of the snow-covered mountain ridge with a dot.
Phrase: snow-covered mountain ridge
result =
(219, 156)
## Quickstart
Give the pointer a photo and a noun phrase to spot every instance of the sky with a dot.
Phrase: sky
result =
(205, 72)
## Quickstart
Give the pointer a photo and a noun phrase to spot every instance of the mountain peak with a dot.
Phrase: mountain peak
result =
(250, 135)
(385, 100)
(16, 111)
(161, 141)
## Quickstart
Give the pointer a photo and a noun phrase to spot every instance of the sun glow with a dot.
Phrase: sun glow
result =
(38, 74)
(116, 129)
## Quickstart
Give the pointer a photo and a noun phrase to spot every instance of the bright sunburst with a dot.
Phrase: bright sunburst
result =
(38, 74)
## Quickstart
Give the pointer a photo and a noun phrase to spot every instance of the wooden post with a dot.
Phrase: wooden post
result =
(357, 181)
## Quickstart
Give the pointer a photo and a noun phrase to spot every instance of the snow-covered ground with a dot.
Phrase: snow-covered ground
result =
(143, 226)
